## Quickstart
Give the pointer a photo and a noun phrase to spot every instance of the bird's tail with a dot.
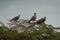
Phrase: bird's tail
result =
(10, 20)
(29, 21)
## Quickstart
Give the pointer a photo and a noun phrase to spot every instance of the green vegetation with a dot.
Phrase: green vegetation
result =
(32, 32)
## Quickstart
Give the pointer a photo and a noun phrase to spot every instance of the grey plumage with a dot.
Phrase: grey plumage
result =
(33, 18)
(15, 18)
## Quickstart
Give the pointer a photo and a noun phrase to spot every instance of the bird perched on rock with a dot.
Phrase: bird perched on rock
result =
(33, 18)
(15, 18)
(42, 20)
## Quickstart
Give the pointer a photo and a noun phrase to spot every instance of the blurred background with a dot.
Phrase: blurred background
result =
(26, 8)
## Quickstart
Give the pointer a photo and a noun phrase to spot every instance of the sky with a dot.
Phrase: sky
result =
(26, 8)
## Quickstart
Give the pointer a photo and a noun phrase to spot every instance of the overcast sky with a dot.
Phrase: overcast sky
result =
(26, 8)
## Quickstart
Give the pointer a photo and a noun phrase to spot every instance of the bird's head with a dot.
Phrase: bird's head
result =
(18, 15)
(34, 13)
(44, 17)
